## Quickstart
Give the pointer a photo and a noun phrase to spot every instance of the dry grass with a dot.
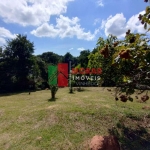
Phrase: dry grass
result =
(32, 122)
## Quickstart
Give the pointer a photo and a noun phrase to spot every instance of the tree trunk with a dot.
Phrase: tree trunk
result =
(53, 94)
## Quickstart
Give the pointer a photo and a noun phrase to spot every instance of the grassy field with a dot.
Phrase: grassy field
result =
(34, 122)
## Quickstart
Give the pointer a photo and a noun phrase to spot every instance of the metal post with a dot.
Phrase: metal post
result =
(70, 77)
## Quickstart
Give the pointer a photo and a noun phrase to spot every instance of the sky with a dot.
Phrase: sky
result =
(62, 26)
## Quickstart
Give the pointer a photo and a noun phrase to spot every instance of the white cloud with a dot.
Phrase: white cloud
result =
(117, 25)
(65, 27)
(134, 24)
(81, 49)
(100, 3)
(5, 34)
(2, 41)
(71, 49)
(96, 21)
(45, 30)
(31, 12)
(103, 24)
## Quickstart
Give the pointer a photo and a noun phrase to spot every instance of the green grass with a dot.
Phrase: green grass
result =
(33, 122)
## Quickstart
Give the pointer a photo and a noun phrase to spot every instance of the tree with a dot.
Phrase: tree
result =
(43, 68)
(40, 73)
(83, 58)
(67, 57)
(126, 61)
(94, 50)
(18, 61)
(50, 57)
(145, 18)
(130, 59)
(103, 59)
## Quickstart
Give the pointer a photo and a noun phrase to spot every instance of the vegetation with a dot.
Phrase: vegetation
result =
(16, 63)
(31, 120)
(20, 70)
(125, 63)
(53, 89)
(35, 122)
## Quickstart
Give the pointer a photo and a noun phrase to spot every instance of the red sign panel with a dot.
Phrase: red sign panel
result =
(62, 74)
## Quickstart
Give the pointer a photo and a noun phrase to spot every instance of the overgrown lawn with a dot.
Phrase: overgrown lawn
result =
(35, 122)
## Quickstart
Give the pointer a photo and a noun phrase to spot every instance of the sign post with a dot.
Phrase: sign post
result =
(71, 91)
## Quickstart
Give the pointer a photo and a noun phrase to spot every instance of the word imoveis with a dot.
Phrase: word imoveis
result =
(95, 71)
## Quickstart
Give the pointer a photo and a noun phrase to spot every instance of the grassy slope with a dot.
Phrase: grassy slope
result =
(32, 122)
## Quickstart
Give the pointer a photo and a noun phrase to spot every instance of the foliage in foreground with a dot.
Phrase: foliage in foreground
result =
(125, 63)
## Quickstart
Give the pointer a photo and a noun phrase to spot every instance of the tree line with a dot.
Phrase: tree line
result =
(124, 63)
(120, 60)
(21, 70)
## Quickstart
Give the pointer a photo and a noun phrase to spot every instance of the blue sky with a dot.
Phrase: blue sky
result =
(63, 26)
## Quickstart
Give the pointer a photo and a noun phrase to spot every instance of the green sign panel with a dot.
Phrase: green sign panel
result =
(52, 75)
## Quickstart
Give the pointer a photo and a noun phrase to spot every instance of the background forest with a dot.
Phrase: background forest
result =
(124, 62)
(120, 60)
(20, 69)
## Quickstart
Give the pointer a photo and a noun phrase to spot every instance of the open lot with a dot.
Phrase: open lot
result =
(34, 122)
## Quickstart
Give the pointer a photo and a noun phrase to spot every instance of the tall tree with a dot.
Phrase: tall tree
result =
(18, 60)
(67, 57)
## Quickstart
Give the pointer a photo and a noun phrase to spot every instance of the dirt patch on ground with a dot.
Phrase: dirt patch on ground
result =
(104, 143)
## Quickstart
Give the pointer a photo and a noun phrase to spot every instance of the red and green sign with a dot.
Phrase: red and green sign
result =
(59, 75)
